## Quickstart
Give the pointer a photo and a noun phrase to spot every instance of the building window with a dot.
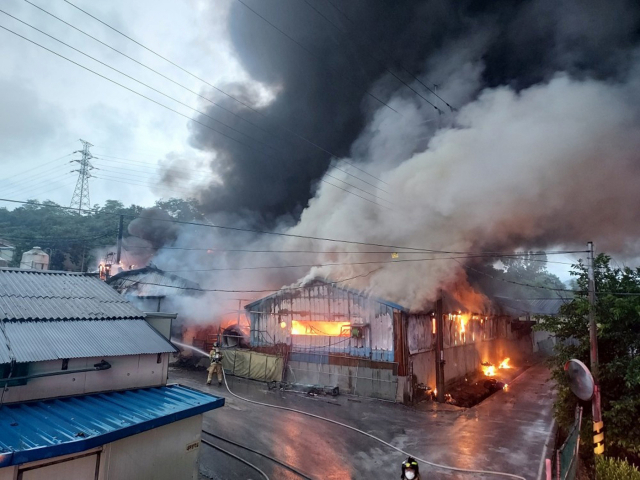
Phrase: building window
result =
(65, 364)
(19, 370)
(159, 358)
(327, 329)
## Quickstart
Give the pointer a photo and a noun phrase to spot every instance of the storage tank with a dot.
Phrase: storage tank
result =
(35, 259)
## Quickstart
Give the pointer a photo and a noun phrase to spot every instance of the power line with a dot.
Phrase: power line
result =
(326, 175)
(29, 170)
(280, 234)
(315, 55)
(297, 135)
(388, 54)
(374, 57)
(136, 282)
(337, 264)
(385, 252)
(179, 113)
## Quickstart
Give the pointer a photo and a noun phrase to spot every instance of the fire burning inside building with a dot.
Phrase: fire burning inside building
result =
(337, 336)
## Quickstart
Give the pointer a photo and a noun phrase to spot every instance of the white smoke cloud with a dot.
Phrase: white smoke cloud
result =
(556, 164)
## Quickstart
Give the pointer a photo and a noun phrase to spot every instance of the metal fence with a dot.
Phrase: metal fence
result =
(564, 463)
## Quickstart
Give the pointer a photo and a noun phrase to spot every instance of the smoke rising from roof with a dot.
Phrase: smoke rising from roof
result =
(542, 152)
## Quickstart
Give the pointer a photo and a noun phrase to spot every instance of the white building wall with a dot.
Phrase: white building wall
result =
(165, 453)
(126, 372)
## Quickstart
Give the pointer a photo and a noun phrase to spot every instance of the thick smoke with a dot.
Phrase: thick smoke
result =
(541, 152)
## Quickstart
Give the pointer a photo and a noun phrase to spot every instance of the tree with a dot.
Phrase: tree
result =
(618, 319)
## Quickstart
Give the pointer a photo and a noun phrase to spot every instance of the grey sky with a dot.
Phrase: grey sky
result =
(47, 103)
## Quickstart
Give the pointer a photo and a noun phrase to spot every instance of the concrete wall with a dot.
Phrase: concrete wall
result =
(462, 360)
(165, 453)
(132, 371)
(353, 379)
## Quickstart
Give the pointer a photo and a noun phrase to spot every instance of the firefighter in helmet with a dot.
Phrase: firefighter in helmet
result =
(215, 356)
(410, 469)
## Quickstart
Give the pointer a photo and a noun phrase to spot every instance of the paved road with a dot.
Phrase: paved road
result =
(506, 432)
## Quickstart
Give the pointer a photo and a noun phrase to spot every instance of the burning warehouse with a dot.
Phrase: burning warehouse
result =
(336, 336)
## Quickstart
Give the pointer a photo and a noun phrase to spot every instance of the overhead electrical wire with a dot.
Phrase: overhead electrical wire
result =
(388, 54)
(498, 255)
(41, 192)
(314, 55)
(326, 175)
(265, 232)
(374, 57)
(43, 183)
(255, 110)
(332, 282)
(175, 111)
(29, 170)
(336, 264)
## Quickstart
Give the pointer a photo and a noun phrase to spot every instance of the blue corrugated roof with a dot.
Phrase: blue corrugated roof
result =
(45, 429)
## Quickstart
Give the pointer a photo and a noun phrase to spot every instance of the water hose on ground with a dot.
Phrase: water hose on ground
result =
(335, 422)
(237, 458)
(282, 464)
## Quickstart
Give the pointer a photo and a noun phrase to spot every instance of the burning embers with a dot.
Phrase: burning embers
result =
(489, 369)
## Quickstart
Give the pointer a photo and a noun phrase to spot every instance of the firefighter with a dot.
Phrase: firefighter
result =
(216, 364)
(410, 469)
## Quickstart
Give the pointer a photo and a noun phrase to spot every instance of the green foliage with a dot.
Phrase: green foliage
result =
(615, 469)
(71, 238)
(618, 319)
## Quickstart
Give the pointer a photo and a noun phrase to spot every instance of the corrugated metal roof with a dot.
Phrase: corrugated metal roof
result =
(50, 428)
(46, 295)
(38, 341)
(5, 355)
(152, 282)
(320, 281)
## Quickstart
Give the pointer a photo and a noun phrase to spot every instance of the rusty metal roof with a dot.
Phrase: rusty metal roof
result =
(49, 295)
(39, 341)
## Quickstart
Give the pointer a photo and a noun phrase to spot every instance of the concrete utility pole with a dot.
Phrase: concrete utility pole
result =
(119, 249)
(439, 349)
(80, 198)
(598, 424)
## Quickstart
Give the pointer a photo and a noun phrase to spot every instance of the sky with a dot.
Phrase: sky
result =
(50, 103)
(327, 86)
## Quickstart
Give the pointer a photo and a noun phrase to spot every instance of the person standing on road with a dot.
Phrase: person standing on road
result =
(410, 469)
(215, 356)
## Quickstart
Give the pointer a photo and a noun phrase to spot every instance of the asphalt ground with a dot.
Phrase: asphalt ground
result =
(506, 432)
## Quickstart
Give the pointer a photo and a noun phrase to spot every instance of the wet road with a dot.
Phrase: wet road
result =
(506, 432)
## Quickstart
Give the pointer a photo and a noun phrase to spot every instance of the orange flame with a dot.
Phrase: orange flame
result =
(505, 363)
(312, 327)
(488, 369)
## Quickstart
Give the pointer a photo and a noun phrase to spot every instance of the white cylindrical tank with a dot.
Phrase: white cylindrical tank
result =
(35, 259)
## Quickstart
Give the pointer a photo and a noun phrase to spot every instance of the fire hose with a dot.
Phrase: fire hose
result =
(237, 458)
(264, 455)
(335, 422)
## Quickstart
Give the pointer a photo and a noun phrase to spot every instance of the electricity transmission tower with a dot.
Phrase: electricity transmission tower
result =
(80, 197)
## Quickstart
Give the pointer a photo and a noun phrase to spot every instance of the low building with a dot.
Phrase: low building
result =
(7, 251)
(154, 290)
(84, 385)
(336, 336)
